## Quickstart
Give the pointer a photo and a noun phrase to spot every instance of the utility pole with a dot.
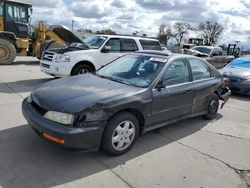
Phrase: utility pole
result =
(73, 25)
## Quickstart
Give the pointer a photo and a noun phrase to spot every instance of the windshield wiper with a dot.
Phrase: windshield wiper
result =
(113, 79)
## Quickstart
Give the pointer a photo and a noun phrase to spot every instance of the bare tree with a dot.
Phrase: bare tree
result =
(164, 34)
(181, 29)
(210, 32)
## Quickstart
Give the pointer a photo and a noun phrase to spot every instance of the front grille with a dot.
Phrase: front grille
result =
(48, 56)
(39, 108)
(45, 65)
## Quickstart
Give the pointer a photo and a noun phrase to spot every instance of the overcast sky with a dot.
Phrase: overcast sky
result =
(145, 16)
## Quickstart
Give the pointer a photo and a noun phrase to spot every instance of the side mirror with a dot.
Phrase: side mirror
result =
(160, 85)
(106, 49)
(214, 55)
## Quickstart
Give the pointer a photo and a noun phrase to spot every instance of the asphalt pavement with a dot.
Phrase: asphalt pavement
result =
(194, 153)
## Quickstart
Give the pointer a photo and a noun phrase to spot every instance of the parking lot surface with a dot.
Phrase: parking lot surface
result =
(191, 153)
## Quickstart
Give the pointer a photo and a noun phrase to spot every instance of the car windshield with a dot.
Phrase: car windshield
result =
(95, 42)
(82, 46)
(136, 70)
(204, 50)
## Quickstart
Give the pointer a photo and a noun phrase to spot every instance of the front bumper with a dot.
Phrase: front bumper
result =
(241, 87)
(85, 138)
(62, 69)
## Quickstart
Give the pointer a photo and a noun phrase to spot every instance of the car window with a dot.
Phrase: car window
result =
(199, 69)
(128, 45)
(1, 8)
(150, 45)
(176, 73)
(114, 44)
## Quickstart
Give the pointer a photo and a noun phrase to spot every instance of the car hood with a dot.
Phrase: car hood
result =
(78, 92)
(64, 33)
(237, 72)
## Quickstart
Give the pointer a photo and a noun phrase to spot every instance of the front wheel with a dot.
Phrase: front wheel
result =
(81, 69)
(212, 108)
(120, 134)
(7, 52)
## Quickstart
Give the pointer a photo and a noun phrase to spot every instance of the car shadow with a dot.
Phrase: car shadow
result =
(29, 161)
(27, 63)
(22, 86)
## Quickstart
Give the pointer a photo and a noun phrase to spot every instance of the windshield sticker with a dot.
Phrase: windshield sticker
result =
(163, 60)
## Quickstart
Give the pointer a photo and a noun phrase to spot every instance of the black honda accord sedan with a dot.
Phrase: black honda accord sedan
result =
(134, 94)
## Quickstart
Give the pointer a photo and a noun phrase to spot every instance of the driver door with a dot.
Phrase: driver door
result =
(107, 56)
(176, 98)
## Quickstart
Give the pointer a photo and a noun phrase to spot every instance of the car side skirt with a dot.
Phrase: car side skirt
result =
(157, 126)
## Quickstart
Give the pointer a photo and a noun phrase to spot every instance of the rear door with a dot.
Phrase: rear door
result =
(175, 100)
(204, 84)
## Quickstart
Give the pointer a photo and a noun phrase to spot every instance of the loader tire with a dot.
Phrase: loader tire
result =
(7, 52)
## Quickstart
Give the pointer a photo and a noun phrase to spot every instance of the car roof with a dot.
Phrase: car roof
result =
(210, 47)
(164, 54)
(127, 37)
(153, 52)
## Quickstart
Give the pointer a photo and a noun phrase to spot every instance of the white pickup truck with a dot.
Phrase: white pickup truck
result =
(81, 58)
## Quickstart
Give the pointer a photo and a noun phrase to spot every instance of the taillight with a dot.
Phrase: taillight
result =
(226, 82)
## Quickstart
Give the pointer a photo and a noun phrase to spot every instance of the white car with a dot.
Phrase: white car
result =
(79, 59)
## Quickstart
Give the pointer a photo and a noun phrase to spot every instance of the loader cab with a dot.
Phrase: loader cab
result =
(15, 18)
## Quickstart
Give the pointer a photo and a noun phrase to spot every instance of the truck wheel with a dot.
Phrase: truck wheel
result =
(120, 134)
(81, 69)
(7, 52)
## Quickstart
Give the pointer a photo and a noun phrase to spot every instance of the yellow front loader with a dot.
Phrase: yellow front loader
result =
(17, 37)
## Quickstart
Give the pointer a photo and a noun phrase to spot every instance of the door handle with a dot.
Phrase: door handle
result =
(188, 91)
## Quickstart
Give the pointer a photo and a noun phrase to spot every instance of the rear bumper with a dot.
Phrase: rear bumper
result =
(62, 69)
(87, 138)
(224, 96)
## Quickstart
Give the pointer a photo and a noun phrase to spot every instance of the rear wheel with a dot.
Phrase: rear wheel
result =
(120, 134)
(81, 69)
(7, 52)
(212, 108)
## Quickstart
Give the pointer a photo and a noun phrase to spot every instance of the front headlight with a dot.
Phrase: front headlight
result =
(63, 58)
(59, 117)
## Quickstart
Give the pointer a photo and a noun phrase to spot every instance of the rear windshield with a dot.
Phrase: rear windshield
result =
(150, 45)
(204, 50)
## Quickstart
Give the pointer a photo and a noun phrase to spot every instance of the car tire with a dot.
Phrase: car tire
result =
(120, 134)
(81, 69)
(7, 52)
(212, 108)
